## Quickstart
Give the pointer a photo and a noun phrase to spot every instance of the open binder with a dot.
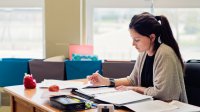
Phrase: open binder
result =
(111, 96)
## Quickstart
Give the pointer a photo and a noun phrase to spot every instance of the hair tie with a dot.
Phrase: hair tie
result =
(158, 18)
(159, 40)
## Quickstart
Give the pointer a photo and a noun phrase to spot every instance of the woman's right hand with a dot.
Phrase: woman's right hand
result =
(97, 80)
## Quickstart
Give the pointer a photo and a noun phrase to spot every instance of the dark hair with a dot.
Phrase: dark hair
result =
(147, 24)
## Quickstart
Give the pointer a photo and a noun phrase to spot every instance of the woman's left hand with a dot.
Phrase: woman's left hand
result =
(124, 88)
(134, 88)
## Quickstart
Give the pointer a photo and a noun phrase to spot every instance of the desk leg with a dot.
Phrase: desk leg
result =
(18, 105)
(12, 104)
(0, 98)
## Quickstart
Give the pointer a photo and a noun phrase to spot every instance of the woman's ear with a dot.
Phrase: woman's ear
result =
(152, 37)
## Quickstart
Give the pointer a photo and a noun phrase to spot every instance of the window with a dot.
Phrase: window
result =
(111, 37)
(186, 29)
(21, 29)
(107, 25)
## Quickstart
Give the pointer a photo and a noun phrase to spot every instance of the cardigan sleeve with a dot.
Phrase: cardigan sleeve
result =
(166, 77)
(133, 78)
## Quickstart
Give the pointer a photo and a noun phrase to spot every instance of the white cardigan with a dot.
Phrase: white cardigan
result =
(168, 79)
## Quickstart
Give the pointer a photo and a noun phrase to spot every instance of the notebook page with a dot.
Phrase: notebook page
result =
(122, 97)
(151, 106)
(184, 107)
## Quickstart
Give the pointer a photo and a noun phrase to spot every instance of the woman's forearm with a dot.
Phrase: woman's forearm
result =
(122, 81)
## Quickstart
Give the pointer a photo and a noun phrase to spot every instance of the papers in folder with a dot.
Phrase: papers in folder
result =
(113, 96)
(121, 98)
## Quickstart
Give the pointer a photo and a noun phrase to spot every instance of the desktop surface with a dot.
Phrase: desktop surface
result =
(32, 100)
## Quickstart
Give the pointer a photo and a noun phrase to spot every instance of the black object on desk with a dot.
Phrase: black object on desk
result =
(105, 109)
(88, 97)
(66, 102)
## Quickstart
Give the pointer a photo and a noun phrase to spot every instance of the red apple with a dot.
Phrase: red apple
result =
(54, 88)
(29, 81)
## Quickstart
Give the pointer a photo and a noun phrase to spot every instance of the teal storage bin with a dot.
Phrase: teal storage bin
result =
(81, 57)
(81, 69)
(12, 71)
(16, 59)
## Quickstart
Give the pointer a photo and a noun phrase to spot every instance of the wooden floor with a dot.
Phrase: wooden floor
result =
(4, 108)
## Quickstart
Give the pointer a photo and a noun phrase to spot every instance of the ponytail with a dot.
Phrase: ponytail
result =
(168, 38)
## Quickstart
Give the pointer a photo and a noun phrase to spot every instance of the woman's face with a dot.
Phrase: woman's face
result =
(141, 43)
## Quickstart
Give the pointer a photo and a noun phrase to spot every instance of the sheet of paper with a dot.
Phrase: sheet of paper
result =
(46, 93)
(151, 106)
(95, 91)
(183, 107)
(62, 84)
(122, 97)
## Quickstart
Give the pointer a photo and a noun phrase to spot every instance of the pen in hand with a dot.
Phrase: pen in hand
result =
(97, 71)
(93, 73)
(93, 78)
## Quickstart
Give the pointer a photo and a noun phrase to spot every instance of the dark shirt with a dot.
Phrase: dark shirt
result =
(147, 72)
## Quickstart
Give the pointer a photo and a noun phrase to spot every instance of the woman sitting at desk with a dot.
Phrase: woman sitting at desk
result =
(158, 71)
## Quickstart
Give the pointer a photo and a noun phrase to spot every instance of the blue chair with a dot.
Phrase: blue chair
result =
(81, 69)
(12, 71)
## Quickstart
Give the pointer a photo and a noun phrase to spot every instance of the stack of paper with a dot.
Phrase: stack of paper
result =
(62, 84)
(47, 93)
